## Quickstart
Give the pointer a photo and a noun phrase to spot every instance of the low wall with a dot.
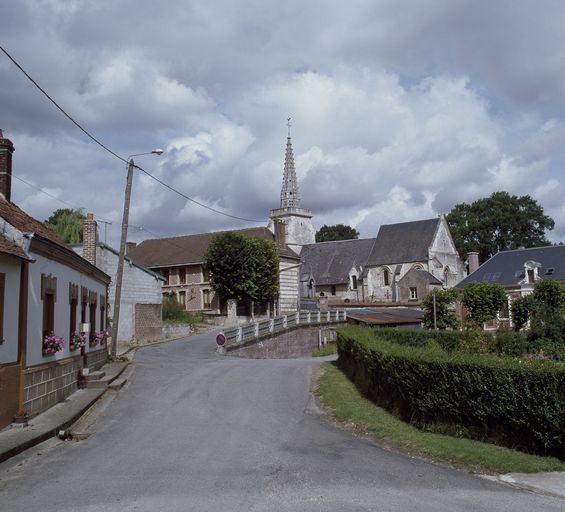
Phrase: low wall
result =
(176, 330)
(95, 359)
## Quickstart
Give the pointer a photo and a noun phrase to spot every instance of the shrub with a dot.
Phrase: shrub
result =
(445, 300)
(448, 340)
(172, 309)
(520, 404)
(483, 301)
(510, 343)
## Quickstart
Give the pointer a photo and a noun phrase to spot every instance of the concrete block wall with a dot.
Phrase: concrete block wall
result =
(96, 359)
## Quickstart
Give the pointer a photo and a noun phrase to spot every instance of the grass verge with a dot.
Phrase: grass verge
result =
(347, 405)
(328, 350)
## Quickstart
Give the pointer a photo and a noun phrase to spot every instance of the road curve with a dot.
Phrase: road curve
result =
(199, 431)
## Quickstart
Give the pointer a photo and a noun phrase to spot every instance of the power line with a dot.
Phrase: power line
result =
(106, 148)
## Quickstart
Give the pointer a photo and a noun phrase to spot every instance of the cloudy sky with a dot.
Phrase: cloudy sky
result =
(400, 108)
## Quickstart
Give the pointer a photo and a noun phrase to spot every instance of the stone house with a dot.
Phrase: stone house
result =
(45, 288)
(141, 299)
(517, 271)
(180, 260)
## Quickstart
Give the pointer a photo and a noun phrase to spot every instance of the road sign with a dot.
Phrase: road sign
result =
(221, 339)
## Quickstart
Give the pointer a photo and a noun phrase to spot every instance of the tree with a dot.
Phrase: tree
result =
(446, 318)
(520, 309)
(68, 224)
(336, 232)
(243, 267)
(483, 301)
(496, 223)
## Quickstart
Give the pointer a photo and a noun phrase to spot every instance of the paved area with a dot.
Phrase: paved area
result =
(198, 431)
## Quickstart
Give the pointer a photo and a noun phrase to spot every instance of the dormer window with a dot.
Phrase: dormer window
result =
(549, 271)
(530, 274)
(531, 271)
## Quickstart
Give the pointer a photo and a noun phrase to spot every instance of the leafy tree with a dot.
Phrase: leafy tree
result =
(68, 224)
(483, 301)
(520, 309)
(446, 318)
(336, 232)
(498, 223)
(265, 263)
(549, 293)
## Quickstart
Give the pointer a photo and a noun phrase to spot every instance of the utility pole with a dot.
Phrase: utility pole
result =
(435, 315)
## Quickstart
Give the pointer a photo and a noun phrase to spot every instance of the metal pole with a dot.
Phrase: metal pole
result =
(120, 272)
(435, 316)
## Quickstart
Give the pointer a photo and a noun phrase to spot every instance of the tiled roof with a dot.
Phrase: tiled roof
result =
(414, 275)
(8, 247)
(507, 267)
(190, 249)
(404, 242)
(26, 224)
(330, 262)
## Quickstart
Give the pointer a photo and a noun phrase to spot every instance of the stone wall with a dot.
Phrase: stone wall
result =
(96, 359)
(49, 384)
(148, 322)
(177, 330)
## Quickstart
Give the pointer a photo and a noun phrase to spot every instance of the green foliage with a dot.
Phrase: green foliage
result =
(498, 223)
(520, 309)
(336, 232)
(265, 266)
(475, 341)
(550, 294)
(510, 343)
(327, 350)
(68, 224)
(515, 403)
(172, 309)
(483, 301)
(447, 340)
(445, 300)
(243, 267)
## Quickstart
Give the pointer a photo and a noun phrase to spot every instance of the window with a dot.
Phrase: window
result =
(92, 299)
(2, 291)
(418, 267)
(83, 303)
(182, 299)
(182, 275)
(549, 271)
(530, 275)
(205, 275)
(413, 293)
(49, 297)
(386, 277)
(207, 304)
(73, 302)
(102, 312)
(354, 282)
(333, 289)
(166, 274)
(504, 312)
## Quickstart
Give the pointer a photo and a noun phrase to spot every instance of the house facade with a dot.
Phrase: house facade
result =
(48, 296)
(518, 271)
(141, 299)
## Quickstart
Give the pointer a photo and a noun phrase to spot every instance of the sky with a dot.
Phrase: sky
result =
(400, 108)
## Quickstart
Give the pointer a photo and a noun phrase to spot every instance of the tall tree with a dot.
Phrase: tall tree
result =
(483, 301)
(336, 232)
(497, 223)
(68, 224)
(265, 263)
(445, 314)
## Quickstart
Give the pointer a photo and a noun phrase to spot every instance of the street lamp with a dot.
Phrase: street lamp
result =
(120, 272)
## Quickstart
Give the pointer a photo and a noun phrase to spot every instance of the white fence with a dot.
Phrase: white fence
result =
(256, 330)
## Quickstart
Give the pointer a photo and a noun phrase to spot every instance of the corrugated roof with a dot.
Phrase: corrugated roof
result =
(9, 247)
(330, 262)
(404, 242)
(507, 267)
(386, 316)
(189, 249)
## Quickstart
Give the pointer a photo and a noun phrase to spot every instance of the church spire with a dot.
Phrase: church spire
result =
(290, 196)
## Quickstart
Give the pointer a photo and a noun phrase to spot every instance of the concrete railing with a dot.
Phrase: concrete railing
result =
(265, 328)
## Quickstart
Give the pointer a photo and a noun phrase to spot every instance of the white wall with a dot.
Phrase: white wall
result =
(9, 349)
(64, 275)
(288, 283)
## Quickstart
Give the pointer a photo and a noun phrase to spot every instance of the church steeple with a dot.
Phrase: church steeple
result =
(290, 195)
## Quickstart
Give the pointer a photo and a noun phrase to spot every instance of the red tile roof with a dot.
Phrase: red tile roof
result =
(8, 247)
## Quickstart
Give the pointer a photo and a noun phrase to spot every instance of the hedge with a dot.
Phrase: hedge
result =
(515, 403)
(448, 340)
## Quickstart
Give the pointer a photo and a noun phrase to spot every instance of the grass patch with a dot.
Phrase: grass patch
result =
(327, 350)
(348, 405)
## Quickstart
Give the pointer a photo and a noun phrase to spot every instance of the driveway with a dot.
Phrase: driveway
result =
(199, 431)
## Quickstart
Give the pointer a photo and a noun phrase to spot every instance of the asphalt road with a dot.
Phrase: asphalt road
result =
(198, 431)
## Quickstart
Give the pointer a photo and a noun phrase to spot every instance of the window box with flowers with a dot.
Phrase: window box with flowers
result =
(78, 341)
(92, 340)
(52, 344)
(102, 336)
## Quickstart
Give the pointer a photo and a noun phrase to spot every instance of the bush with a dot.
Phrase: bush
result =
(519, 404)
(510, 343)
(173, 312)
(448, 340)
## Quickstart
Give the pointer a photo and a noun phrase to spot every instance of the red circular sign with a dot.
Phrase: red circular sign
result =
(221, 339)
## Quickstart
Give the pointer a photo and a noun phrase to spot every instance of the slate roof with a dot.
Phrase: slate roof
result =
(386, 316)
(507, 267)
(190, 249)
(330, 262)
(405, 242)
(10, 248)
(415, 274)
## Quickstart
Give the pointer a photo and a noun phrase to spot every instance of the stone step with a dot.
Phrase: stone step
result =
(97, 375)
(117, 383)
(92, 384)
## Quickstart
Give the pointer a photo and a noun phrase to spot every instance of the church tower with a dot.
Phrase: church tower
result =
(297, 221)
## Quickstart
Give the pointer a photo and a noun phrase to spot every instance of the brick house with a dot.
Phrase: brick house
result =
(45, 287)
(141, 300)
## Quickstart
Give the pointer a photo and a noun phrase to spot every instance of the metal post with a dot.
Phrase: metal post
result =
(120, 272)
(435, 316)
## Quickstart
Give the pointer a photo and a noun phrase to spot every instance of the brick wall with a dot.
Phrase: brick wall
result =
(96, 359)
(89, 239)
(6, 150)
(47, 385)
(148, 322)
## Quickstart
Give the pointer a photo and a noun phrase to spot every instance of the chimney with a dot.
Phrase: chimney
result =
(89, 239)
(280, 233)
(6, 150)
(473, 258)
(129, 247)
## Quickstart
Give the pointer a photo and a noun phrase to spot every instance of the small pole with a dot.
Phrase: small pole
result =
(435, 315)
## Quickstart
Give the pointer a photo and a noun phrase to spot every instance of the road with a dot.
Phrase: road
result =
(199, 431)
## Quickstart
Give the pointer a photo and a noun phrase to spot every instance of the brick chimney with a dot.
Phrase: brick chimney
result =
(6, 150)
(280, 233)
(129, 247)
(89, 239)
(473, 258)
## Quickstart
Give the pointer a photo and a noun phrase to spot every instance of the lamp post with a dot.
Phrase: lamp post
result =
(120, 271)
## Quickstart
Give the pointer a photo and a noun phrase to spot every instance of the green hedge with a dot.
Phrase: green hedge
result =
(448, 340)
(515, 403)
